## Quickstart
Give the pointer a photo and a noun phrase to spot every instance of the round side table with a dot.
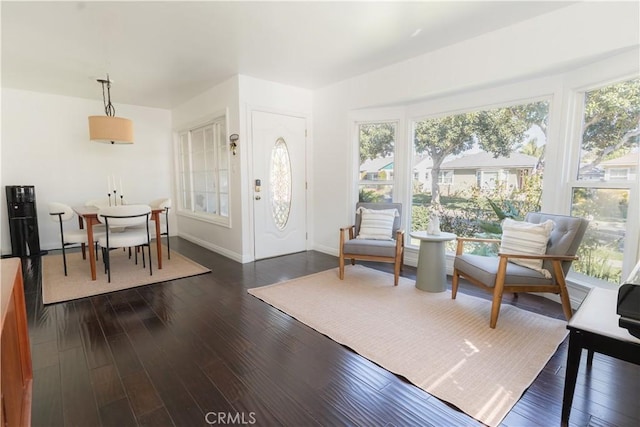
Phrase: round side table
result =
(432, 266)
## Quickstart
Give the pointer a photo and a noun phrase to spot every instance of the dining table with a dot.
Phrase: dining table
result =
(88, 216)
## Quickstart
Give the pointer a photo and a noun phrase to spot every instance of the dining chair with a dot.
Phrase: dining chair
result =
(128, 220)
(375, 236)
(59, 212)
(164, 222)
(165, 205)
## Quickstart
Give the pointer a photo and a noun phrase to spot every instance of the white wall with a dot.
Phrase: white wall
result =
(45, 143)
(223, 239)
(551, 43)
(238, 96)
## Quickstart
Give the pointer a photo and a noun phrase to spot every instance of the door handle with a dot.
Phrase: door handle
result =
(258, 197)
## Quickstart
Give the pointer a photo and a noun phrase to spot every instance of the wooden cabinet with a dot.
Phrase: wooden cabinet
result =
(16, 375)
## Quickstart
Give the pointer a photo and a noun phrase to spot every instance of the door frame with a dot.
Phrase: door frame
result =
(250, 109)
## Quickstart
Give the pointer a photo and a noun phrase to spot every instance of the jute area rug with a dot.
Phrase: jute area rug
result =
(56, 287)
(441, 345)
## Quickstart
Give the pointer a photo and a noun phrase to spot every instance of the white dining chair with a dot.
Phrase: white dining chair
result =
(61, 213)
(164, 204)
(132, 223)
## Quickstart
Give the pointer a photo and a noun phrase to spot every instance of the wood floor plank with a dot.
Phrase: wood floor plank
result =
(142, 395)
(46, 409)
(157, 418)
(95, 344)
(117, 414)
(125, 357)
(78, 401)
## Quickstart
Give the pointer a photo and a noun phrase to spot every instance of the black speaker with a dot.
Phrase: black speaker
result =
(23, 220)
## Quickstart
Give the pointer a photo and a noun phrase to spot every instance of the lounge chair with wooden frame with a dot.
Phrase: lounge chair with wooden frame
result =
(499, 274)
(387, 247)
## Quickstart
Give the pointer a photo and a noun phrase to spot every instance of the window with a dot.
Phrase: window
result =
(617, 175)
(376, 143)
(203, 171)
(484, 160)
(604, 182)
(445, 177)
(490, 180)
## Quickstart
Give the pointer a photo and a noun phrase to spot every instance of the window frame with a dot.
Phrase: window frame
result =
(220, 137)
(576, 99)
(377, 117)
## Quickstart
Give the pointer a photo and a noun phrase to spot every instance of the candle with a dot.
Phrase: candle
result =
(108, 185)
(114, 184)
(121, 189)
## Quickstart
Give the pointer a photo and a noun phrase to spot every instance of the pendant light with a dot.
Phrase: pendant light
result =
(108, 128)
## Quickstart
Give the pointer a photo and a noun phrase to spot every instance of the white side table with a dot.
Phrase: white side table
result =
(432, 265)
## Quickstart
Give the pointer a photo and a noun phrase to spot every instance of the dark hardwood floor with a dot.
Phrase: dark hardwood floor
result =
(201, 349)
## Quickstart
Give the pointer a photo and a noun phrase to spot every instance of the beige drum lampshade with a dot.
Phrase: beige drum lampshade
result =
(115, 130)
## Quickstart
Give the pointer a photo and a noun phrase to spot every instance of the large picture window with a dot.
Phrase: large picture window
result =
(203, 171)
(489, 164)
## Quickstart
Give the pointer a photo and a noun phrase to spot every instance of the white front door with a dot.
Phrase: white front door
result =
(279, 184)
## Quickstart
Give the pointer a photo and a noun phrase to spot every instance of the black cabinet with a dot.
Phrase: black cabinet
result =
(23, 220)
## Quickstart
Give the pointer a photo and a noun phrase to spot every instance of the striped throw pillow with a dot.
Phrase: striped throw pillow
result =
(376, 224)
(528, 239)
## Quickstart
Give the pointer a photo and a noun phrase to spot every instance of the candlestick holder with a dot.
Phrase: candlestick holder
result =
(121, 200)
(109, 195)
(115, 197)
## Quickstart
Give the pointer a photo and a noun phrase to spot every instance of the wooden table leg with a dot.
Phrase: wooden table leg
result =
(84, 249)
(92, 255)
(156, 219)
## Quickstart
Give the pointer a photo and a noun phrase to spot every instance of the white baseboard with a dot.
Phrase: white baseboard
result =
(326, 250)
(217, 249)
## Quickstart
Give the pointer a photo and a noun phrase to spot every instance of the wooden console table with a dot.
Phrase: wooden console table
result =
(16, 370)
(594, 327)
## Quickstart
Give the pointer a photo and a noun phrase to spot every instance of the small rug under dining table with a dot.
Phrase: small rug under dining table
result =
(125, 274)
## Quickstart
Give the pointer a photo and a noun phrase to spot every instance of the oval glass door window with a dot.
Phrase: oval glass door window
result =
(280, 183)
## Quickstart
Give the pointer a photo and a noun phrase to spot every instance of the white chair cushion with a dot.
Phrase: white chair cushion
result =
(120, 216)
(527, 239)
(80, 236)
(65, 210)
(376, 224)
(126, 238)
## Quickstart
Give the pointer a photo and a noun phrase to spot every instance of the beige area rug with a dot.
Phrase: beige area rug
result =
(56, 287)
(443, 346)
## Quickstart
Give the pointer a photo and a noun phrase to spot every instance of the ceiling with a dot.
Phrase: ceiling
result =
(160, 54)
